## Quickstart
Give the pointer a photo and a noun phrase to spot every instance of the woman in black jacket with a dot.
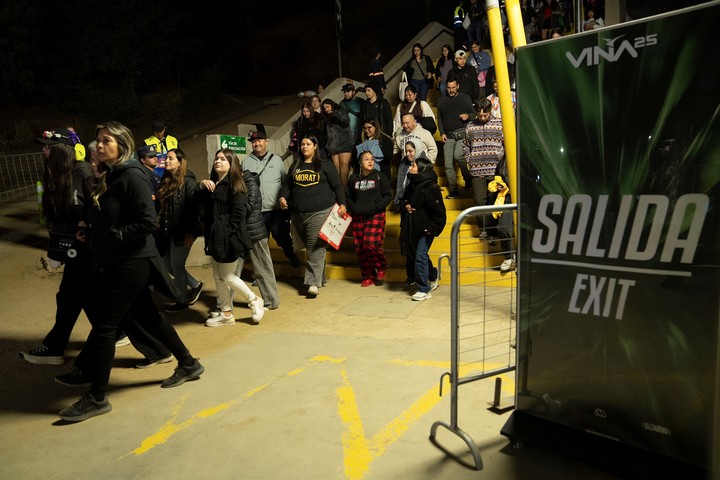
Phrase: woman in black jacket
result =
(225, 201)
(420, 71)
(423, 219)
(178, 226)
(123, 221)
(368, 196)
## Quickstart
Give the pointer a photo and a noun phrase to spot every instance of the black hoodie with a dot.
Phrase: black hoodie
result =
(125, 221)
(429, 217)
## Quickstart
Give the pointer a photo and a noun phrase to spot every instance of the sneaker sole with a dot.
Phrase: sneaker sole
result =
(194, 376)
(100, 411)
(220, 324)
(426, 297)
(159, 361)
(72, 385)
(42, 360)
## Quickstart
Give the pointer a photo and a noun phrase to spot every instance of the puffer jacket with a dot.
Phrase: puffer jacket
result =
(179, 215)
(255, 223)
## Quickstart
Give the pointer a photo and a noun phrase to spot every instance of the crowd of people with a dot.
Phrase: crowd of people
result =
(124, 222)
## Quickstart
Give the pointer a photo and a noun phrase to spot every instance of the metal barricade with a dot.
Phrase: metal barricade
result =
(483, 336)
(19, 175)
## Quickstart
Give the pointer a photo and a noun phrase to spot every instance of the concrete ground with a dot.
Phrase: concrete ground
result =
(344, 386)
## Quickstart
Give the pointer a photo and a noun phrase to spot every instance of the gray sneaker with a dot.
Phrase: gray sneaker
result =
(183, 374)
(85, 408)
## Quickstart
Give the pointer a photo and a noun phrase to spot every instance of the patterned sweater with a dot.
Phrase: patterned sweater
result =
(483, 147)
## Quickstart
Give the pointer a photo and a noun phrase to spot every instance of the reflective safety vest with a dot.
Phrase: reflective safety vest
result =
(458, 17)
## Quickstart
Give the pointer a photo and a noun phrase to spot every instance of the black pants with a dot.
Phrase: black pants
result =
(277, 223)
(76, 293)
(124, 294)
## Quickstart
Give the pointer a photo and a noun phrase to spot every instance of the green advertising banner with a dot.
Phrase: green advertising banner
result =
(236, 144)
(619, 156)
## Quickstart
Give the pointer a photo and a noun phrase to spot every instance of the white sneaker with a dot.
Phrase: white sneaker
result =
(122, 342)
(220, 321)
(508, 264)
(433, 285)
(258, 310)
(420, 296)
(313, 290)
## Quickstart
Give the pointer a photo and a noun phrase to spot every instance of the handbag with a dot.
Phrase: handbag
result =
(61, 246)
(403, 85)
(466, 21)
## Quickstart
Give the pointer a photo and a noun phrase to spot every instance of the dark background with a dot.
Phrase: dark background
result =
(80, 61)
(128, 59)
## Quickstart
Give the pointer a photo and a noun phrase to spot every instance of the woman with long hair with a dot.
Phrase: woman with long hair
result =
(178, 225)
(123, 220)
(66, 196)
(313, 187)
(340, 139)
(225, 200)
(308, 123)
(420, 71)
(419, 109)
(443, 66)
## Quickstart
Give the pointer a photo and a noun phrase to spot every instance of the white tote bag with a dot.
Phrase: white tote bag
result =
(403, 85)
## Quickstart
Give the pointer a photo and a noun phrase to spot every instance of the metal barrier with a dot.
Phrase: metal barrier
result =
(485, 334)
(19, 175)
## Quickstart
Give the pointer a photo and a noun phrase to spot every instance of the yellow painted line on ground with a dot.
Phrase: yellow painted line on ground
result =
(171, 428)
(357, 456)
(358, 451)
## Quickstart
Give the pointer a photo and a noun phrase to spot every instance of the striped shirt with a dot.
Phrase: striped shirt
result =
(483, 147)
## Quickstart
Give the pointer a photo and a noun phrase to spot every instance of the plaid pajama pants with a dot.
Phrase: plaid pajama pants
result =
(369, 235)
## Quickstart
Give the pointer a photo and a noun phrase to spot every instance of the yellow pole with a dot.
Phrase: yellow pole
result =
(503, 79)
(517, 29)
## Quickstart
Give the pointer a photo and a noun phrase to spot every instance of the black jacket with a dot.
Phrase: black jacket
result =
(255, 223)
(225, 222)
(424, 195)
(339, 135)
(178, 215)
(380, 111)
(368, 195)
(467, 79)
(125, 222)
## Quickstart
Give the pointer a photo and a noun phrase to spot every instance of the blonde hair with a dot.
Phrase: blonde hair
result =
(126, 148)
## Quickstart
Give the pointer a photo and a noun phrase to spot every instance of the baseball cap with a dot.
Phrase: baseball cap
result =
(460, 54)
(148, 151)
(257, 136)
(348, 87)
(59, 135)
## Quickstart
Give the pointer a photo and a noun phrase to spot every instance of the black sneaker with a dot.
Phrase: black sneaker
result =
(85, 408)
(452, 194)
(42, 356)
(195, 293)
(176, 307)
(76, 378)
(409, 282)
(183, 374)
(148, 362)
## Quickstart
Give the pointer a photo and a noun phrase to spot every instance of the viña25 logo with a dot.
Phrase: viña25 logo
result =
(614, 49)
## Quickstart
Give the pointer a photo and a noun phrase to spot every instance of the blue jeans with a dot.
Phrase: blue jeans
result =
(425, 272)
(422, 88)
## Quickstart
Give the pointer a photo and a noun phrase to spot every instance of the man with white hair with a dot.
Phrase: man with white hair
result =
(423, 139)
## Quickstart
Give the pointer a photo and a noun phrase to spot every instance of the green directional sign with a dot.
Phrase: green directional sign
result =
(236, 144)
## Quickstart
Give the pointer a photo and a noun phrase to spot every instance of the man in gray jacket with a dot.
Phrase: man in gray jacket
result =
(271, 172)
